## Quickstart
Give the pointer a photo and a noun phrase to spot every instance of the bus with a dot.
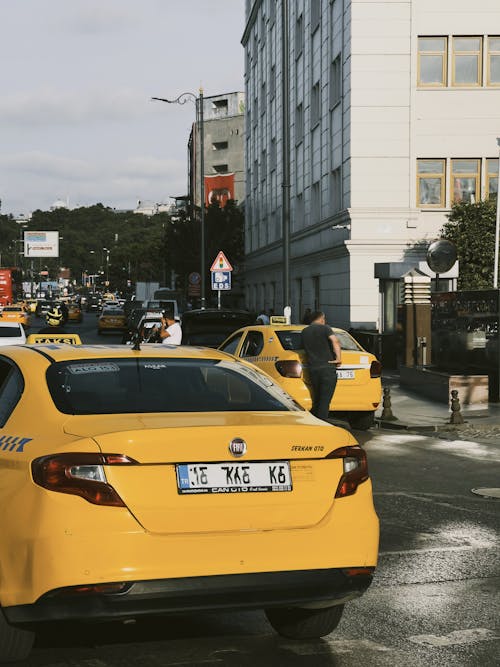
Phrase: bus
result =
(11, 286)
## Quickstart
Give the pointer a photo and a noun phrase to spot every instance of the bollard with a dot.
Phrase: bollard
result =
(387, 414)
(456, 415)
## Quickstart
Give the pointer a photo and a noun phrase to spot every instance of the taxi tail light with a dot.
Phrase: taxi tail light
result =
(80, 474)
(375, 369)
(355, 469)
(289, 368)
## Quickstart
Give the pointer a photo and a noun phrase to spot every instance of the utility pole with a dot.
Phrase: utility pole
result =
(285, 135)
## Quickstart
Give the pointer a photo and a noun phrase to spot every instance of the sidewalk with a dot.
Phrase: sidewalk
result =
(416, 413)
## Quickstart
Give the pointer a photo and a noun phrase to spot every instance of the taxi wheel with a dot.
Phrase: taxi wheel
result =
(305, 623)
(15, 644)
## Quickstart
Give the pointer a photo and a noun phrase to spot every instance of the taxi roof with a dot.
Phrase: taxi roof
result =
(284, 327)
(62, 352)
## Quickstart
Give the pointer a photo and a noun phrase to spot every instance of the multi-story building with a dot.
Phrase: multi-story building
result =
(223, 126)
(394, 114)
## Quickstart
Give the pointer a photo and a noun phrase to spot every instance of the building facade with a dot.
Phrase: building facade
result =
(394, 114)
(224, 123)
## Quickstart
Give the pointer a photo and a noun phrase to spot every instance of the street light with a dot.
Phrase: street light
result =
(198, 101)
(107, 251)
(497, 228)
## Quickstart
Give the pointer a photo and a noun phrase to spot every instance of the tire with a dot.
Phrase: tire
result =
(304, 623)
(15, 644)
(362, 420)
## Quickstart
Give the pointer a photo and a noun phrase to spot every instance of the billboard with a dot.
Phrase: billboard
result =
(41, 244)
(219, 188)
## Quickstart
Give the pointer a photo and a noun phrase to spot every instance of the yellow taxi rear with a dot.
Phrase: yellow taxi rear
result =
(277, 350)
(16, 313)
(112, 319)
(213, 491)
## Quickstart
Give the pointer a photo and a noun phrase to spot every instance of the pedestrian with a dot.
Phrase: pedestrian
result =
(306, 317)
(170, 330)
(55, 322)
(323, 356)
(64, 310)
(263, 318)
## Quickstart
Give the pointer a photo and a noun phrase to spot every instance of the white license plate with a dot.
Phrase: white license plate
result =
(231, 477)
(345, 375)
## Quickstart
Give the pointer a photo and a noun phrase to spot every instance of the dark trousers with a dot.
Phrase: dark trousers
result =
(323, 381)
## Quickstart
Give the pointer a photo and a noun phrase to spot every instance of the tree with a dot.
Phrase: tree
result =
(471, 227)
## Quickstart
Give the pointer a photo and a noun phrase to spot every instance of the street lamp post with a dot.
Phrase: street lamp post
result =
(497, 228)
(285, 187)
(198, 100)
(107, 251)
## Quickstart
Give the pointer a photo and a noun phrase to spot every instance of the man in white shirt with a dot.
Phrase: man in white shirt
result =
(170, 331)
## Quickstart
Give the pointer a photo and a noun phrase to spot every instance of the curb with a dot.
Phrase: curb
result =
(397, 425)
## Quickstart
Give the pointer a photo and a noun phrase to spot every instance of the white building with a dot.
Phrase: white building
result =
(395, 110)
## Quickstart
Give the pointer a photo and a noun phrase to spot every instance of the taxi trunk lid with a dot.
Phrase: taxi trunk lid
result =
(150, 489)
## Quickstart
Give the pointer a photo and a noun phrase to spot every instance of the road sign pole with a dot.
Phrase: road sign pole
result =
(218, 299)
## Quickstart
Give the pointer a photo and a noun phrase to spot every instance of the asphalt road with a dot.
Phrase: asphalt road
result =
(435, 600)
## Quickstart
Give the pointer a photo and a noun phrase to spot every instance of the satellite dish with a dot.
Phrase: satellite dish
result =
(441, 255)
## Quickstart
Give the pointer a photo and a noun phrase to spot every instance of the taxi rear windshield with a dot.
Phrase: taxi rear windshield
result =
(9, 332)
(292, 340)
(119, 386)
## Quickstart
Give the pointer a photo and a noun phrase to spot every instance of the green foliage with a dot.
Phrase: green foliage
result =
(141, 247)
(472, 228)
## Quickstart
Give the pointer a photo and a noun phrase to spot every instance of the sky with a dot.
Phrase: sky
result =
(77, 76)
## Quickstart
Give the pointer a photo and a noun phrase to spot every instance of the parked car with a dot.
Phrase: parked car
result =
(277, 350)
(211, 327)
(12, 333)
(172, 479)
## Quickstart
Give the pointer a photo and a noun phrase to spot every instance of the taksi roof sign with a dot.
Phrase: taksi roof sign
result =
(221, 263)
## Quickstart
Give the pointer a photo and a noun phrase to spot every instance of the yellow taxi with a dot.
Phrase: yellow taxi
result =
(170, 479)
(74, 313)
(16, 313)
(111, 319)
(31, 305)
(277, 350)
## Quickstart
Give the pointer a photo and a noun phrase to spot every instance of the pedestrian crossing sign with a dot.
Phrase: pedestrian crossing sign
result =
(221, 263)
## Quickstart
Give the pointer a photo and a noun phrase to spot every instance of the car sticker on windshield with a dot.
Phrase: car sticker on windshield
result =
(81, 369)
(155, 366)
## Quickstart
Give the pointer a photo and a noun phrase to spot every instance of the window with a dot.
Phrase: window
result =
(315, 14)
(272, 82)
(273, 157)
(220, 168)
(467, 61)
(316, 292)
(336, 190)
(292, 339)
(263, 100)
(253, 344)
(299, 36)
(11, 389)
(335, 82)
(432, 57)
(220, 145)
(232, 344)
(220, 106)
(493, 61)
(430, 183)
(121, 386)
(299, 211)
(315, 104)
(465, 180)
(491, 177)
(263, 166)
(315, 202)
(299, 124)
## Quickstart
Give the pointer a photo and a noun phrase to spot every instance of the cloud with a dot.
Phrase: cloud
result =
(45, 164)
(98, 17)
(54, 107)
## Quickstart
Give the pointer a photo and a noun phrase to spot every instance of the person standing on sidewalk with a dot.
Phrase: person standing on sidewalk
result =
(323, 352)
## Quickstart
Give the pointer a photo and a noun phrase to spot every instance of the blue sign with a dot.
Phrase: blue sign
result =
(221, 280)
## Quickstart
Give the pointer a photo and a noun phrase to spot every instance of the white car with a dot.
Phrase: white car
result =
(12, 333)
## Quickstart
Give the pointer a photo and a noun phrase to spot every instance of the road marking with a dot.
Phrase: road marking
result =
(456, 638)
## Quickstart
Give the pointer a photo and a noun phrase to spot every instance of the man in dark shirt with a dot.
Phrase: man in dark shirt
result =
(323, 355)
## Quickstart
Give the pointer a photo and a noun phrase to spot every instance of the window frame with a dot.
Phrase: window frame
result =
(441, 176)
(243, 353)
(7, 412)
(238, 336)
(444, 54)
(464, 174)
(489, 175)
(489, 53)
(479, 55)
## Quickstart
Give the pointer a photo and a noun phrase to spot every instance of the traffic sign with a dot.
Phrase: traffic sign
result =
(221, 280)
(221, 263)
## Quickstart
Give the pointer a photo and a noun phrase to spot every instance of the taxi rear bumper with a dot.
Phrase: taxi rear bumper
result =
(301, 588)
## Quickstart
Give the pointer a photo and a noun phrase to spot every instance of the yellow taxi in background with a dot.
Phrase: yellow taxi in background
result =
(74, 313)
(170, 479)
(16, 313)
(111, 319)
(31, 305)
(277, 350)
